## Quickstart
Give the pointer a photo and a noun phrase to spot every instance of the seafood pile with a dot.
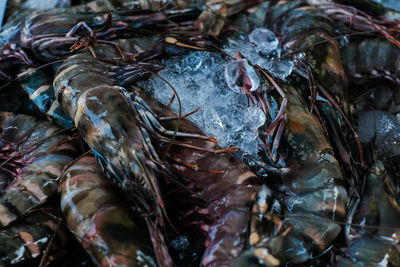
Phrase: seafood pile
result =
(200, 133)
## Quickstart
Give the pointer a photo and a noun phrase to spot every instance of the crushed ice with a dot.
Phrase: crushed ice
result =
(218, 84)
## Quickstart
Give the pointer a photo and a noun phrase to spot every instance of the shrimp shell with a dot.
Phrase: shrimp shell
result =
(108, 229)
(34, 155)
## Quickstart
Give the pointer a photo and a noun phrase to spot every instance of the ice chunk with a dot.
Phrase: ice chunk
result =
(264, 39)
(239, 75)
(281, 69)
(255, 117)
(267, 47)
(249, 142)
(214, 123)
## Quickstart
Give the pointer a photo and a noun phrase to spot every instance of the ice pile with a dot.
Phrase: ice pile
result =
(384, 127)
(225, 114)
(202, 78)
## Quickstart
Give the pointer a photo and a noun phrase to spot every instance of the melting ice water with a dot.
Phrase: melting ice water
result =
(201, 79)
